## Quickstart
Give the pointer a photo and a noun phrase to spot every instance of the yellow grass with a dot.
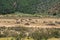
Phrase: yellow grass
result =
(7, 38)
(54, 39)
(27, 38)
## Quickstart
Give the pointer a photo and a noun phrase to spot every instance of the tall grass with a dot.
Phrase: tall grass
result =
(34, 33)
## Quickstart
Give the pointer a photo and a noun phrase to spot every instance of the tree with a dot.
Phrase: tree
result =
(7, 6)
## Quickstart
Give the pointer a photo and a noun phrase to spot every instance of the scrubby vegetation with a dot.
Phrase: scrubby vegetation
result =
(24, 32)
(29, 8)
(43, 7)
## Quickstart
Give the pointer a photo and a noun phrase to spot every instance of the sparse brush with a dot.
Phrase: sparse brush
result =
(51, 24)
(57, 22)
(35, 33)
(27, 24)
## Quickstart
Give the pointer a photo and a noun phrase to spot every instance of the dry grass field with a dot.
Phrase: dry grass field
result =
(27, 39)
(31, 22)
(7, 38)
(15, 24)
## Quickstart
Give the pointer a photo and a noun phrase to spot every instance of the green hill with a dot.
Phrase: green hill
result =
(26, 6)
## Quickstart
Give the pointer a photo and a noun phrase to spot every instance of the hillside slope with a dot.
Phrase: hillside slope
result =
(55, 10)
(26, 6)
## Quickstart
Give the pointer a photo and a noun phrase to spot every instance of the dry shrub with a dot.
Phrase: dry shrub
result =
(18, 22)
(36, 20)
(30, 19)
(58, 22)
(37, 34)
(46, 33)
(33, 22)
(45, 22)
(27, 24)
(8, 21)
(51, 24)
